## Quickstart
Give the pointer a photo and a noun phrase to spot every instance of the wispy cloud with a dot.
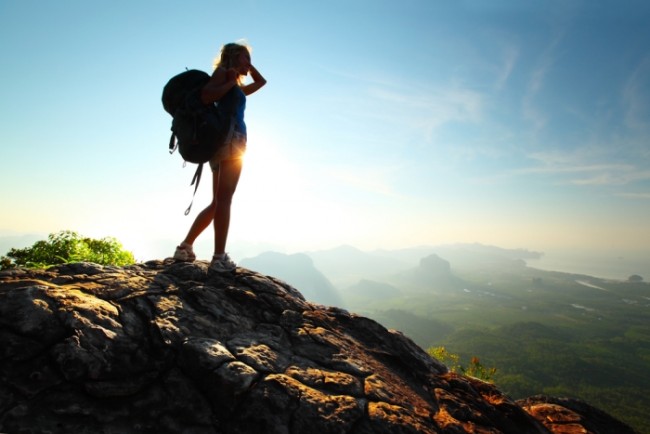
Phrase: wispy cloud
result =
(412, 105)
(530, 110)
(544, 64)
(613, 176)
(582, 167)
(636, 92)
(642, 196)
(510, 57)
(429, 109)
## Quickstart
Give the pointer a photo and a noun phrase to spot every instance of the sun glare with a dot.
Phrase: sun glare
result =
(278, 201)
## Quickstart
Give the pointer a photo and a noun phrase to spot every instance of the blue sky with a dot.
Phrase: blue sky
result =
(384, 124)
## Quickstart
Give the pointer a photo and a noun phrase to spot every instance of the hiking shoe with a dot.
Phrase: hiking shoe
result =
(224, 265)
(184, 253)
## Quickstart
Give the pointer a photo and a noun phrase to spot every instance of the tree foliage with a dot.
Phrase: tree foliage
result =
(473, 369)
(68, 246)
(635, 278)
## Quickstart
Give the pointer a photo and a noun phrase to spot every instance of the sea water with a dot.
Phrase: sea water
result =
(617, 265)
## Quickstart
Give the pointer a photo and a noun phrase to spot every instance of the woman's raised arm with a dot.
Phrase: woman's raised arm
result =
(258, 81)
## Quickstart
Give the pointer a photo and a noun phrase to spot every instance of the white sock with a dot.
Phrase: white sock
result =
(219, 256)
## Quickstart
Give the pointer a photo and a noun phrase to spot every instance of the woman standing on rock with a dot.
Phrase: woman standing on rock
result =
(231, 67)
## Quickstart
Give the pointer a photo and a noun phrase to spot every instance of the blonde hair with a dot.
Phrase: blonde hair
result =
(228, 56)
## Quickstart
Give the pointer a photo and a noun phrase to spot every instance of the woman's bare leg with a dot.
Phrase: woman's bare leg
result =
(229, 172)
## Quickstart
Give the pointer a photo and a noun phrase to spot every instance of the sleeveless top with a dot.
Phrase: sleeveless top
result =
(240, 107)
(233, 103)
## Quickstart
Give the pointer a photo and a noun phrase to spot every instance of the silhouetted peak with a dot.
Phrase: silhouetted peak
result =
(434, 264)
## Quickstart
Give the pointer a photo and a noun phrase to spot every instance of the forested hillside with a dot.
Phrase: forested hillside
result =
(545, 332)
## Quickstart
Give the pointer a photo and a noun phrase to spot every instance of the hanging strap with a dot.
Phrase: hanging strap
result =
(195, 182)
(173, 144)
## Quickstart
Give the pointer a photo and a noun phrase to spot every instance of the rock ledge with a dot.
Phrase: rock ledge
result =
(167, 347)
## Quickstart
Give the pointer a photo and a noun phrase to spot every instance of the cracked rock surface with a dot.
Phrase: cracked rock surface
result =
(166, 347)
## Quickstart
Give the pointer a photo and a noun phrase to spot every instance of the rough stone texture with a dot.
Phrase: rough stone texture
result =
(571, 416)
(167, 347)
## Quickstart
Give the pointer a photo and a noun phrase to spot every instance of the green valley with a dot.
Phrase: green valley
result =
(545, 332)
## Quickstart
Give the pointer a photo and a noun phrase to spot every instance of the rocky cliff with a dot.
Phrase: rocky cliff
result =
(167, 347)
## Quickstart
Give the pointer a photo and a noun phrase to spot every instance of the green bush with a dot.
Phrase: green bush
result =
(474, 369)
(68, 246)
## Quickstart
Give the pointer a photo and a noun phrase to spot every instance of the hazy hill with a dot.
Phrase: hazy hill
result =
(365, 289)
(466, 256)
(298, 270)
(346, 265)
(432, 276)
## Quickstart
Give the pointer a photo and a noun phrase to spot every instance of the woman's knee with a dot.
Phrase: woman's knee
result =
(211, 208)
(228, 179)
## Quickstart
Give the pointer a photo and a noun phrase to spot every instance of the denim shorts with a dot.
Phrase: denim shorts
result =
(231, 151)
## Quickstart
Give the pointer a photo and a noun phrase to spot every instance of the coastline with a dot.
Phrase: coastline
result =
(605, 265)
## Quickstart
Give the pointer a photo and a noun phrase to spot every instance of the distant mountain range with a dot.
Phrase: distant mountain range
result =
(345, 275)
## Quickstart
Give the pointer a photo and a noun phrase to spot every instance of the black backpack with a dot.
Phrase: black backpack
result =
(198, 130)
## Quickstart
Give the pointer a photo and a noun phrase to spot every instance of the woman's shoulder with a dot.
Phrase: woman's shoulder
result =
(219, 72)
(219, 69)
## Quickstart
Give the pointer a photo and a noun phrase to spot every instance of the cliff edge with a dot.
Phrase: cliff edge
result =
(168, 347)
